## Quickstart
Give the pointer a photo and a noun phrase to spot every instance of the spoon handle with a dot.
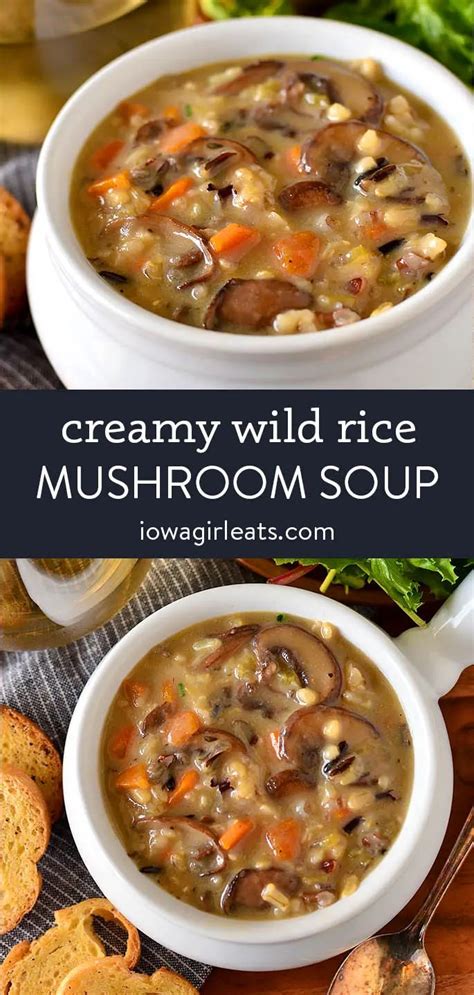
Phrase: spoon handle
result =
(461, 848)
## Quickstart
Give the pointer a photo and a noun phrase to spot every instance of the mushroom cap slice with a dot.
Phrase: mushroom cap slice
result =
(330, 152)
(313, 662)
(218, 153)
(232, 640)
(339, 84)
(246, 887)
(254, 698)
(251, 75)
(181, 244)
(209, 744)
(303, 734)
(201, 843)
(212, 743)
(288, 782)
(253, 304)
(306, 194)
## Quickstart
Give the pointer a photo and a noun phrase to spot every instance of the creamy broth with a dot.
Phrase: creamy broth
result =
(257, 766)
(288, 196)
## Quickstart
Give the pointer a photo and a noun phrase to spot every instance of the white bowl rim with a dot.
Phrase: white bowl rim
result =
(94, 831)
(151, 325)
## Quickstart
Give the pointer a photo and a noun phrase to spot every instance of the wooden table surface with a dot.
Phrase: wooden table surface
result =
(450, 938)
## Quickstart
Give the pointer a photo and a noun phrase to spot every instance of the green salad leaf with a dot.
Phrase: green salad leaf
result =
(443, 28)
(220, 9)
(405, 581)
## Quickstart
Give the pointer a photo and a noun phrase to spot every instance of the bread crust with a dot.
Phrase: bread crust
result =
(14, 233)
(41, 965)
(111, 977)
(26, 746)
(24, 823)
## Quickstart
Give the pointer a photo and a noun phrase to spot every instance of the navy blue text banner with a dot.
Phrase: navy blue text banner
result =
(281, 473)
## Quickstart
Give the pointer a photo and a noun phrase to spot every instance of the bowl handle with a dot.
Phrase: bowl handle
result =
(445, 647)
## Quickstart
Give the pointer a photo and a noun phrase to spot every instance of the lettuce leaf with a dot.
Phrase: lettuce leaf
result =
(404, 580)
(443, 28)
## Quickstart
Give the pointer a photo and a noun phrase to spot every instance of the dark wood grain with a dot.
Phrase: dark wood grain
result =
(450, 938)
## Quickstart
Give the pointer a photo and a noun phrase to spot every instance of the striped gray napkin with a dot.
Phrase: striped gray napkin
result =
(23, 364)
(45, 685)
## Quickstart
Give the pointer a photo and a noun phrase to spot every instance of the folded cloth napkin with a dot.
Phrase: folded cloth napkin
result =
(23, 364)
(45, 685)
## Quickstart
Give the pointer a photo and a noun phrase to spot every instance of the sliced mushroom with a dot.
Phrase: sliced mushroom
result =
(156, 718)
(255, 699)
(218, 154)
(205, 746)
(287, 782)
(338, 83)
(311, 659)
(252, 304)
(329, 155)
(151, 131)
(307, 194)
(202, 847)
(251, 75)
(150, 176)
(211, 743)
(231, 641)
(246, 887)
(175, 240)
(302, 738)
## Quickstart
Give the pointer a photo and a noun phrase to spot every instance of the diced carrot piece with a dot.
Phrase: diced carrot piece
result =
(120, 741)
(105, 154)
(128, 109)
(172, 115)
(284, 839)
(293, 157)
(375, 228)
(177, 139)
(235, 833)
(132, 778)
(119, 181)
(298, 254)
(184, 786)
(234, 241)
(340, 811)
(173, 192)
(169, 692)
(182, 726)
(136, 692)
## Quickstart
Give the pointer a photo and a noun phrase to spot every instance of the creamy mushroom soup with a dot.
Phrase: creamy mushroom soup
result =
(257, 766)
(289, 195)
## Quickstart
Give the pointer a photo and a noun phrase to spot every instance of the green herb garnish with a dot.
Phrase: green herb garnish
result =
(405, 581)
(280, 617)
(188, 111)
(181, 689)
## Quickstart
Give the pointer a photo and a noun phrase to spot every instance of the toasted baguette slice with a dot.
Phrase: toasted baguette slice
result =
(112, 977)
(14, 233)
(26, 746)
(40, 966)
(25, 828)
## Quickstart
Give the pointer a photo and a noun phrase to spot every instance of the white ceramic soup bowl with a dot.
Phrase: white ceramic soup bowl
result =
(420, 666)
(97, 339)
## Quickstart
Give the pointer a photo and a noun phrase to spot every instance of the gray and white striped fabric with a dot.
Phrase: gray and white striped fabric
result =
(23, 364)
(45, 685)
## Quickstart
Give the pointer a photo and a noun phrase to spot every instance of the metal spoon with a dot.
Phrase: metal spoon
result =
(397, 963)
